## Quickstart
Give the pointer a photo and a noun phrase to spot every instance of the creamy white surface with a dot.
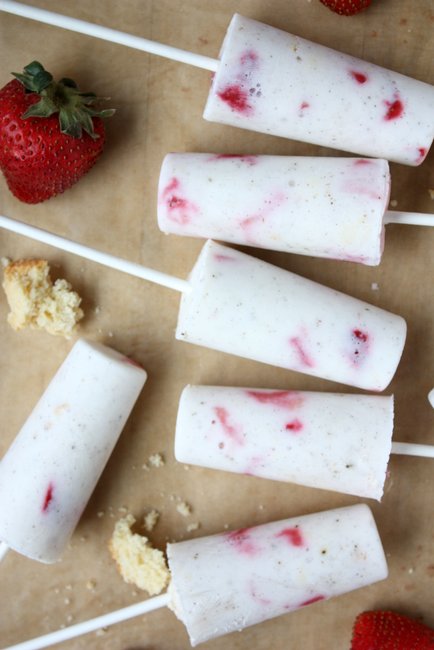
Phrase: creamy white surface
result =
(331, 441)
(54, 463)
(325, 207)
(227, 582)
(285, 85)
(247, 307)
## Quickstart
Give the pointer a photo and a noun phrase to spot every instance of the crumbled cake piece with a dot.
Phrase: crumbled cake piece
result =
(192, 527)
(36, 303)
(150, 520)
(138, 563)
(183, 508)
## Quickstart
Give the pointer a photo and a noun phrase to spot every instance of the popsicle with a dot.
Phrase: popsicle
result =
(269, 314)
(51, 469)
(227, 582)
(331, 441)
(270, 81)
(324, 207)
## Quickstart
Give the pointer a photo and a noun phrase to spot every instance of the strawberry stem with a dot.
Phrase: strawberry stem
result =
(75, 108)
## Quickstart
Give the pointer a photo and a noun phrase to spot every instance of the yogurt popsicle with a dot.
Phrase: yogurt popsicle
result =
(227, 582)
(238, 304)
(52, 467)
(322, 440)
(273, 82)
(325, 207)
(230, 581)
(250, 308)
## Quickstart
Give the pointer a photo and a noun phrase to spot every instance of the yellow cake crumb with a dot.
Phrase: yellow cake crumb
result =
(157, 460)
(150, 520)
(138, 563)
(36, 302)
(183, 508)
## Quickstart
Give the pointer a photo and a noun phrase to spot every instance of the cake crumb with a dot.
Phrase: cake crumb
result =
(137, 562)
(192, 527)
(100, 514)
(157, 460)
(374, 286)
(123, 510)
(183, 508)
(36, 302)
(150, 520)
(91, 585)
(393, 203)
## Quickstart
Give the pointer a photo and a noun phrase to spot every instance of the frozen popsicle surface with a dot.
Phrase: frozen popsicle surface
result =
(323, 440)
(247, 307)
(325, 207)
(52, 467)
(227, 582)
(273, 82)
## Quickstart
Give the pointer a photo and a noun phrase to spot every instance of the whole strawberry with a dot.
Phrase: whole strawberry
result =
(346, 7)
(50, 134)
(383, 630)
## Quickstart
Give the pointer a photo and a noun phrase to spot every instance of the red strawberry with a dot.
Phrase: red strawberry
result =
(50, 134)
(346, 7)
(390, 631)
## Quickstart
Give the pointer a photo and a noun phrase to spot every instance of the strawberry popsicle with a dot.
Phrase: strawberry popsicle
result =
(229, 581)
(244, 306)
(52, 467)
(273, 82)
(322, 440)
(325, 207)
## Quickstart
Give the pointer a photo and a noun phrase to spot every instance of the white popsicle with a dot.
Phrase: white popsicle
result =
(270, 315)
(244, 306)
(330, 441)
(230, 581)
(273, 82)
(227, 582)
(51, 469)
(324, 207)
(322, 440)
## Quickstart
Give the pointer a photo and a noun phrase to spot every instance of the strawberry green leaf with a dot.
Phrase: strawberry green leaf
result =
(63, 97)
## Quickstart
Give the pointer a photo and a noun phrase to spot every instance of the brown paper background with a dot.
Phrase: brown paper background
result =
(159, 109)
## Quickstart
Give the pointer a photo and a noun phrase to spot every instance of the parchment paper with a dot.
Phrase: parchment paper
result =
(159, 109)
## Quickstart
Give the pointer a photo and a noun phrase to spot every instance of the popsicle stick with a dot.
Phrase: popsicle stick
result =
(411, 449)
(107, 34)
(106, 259)
(93, 624)
(4, 548)
(410, 218)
